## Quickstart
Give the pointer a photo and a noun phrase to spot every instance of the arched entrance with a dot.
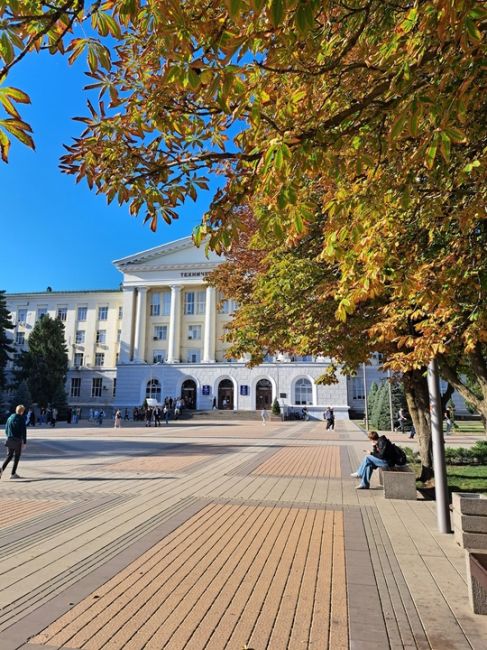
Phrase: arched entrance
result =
(188, 393)
(225, 394)
(263, 394)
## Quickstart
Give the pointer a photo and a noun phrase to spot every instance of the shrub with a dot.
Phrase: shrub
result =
(276, 409)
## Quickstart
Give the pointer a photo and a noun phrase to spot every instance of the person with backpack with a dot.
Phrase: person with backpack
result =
(384, 454)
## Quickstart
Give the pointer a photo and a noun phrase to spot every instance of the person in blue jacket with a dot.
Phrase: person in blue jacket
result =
(16, 433)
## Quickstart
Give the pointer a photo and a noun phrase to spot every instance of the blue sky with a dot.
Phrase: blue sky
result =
(54, 232)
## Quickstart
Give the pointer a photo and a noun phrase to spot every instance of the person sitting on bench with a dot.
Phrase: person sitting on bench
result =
(384, 454)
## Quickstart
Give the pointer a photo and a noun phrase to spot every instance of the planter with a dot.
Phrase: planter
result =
(470, 528)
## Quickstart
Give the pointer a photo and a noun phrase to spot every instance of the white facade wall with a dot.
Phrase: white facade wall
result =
(189, 344)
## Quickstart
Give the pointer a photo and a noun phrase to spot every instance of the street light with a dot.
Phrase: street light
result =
(366, 400)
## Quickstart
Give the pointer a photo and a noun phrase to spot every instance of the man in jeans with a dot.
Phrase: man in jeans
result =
(16, 433)
(382, 456)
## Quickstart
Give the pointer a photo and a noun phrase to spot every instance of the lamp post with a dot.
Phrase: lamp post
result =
(366, 399)
(391, 415)
(441, 486)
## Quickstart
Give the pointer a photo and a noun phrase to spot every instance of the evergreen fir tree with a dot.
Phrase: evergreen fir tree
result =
(45, 364)
(377, 407)
(60, 401)
(6, 348)
(275, 409)
(381, 417)
(371, 397)
(21, 396)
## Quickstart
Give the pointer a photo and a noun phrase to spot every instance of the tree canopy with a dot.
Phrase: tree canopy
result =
(364, 120)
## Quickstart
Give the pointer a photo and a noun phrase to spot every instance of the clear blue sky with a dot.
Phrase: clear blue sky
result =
(53, 231)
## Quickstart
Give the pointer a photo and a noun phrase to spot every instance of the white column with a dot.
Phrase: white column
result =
(174, 326)
(209, 344)
(140, 323)
(127, 335)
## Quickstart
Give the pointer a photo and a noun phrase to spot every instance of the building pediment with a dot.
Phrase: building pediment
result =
(180, 255)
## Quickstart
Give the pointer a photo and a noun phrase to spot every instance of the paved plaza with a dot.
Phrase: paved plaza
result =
(221, 536)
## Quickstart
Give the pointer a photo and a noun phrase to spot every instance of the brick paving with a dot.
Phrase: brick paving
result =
(220, 536)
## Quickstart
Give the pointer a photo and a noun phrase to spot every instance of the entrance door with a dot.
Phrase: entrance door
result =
(263, 394)
(225, 395)
(188, 393)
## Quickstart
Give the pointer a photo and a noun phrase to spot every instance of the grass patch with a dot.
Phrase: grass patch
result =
(467, 478)
(469, 426)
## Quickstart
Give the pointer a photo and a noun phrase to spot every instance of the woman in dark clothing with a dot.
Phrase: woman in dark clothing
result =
(16, 433)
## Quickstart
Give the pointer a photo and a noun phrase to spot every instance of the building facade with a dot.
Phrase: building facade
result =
(161, 335)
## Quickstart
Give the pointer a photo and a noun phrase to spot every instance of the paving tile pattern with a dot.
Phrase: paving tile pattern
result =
(231, 575)
(157, 463)
(311, 462)
(215, 536)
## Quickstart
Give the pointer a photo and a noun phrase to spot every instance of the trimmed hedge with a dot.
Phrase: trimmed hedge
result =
(476, 455)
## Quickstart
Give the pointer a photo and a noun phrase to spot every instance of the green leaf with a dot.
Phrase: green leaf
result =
(277, 12)
(431, 154)
(456, 135)
(445, 147)
(397, 126)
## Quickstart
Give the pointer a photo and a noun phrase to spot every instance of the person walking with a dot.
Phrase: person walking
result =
(118, 419)
(16, 433)
(263, 415)
(54, 414)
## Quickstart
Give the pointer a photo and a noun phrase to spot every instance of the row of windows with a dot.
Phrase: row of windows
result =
(62, 314)
(160, 333)
(97, 387)
(79, 359)
(194, 304)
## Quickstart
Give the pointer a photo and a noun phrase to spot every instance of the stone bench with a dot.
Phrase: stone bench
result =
(399, 482)
(470, 529)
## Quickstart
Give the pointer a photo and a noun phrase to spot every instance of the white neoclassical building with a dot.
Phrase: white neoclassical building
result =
(161, 335)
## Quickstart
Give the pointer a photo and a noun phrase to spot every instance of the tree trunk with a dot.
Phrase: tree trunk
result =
(478, 366)
(417, 398)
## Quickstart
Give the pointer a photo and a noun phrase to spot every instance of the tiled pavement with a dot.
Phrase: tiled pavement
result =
(220, 536)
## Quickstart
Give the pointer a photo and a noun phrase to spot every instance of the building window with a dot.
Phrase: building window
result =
(80, 336)
(200, 302)
(189, 302)
(119, 335)
(75, 387)
(101, 336)
(41, 312)
(166, 303)
(160, 332)
(99, 359)
(102, 313)
(96, 387)
(194, 332)
(159, 356)
(120, 313)
(82, 311)
(155, 307)
(153, 390)
(20, 338)
(78, 359)
(114, 391)
(358, 388)
(21, 316)
(303, 392)
(62, 313)
(193, 356)
(305, 358)
(194, 302)
(228, 306)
